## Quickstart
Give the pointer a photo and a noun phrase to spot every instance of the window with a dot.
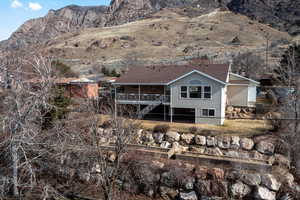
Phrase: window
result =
(183, 92)
(208, 112)
(195, 92)
(207, 92)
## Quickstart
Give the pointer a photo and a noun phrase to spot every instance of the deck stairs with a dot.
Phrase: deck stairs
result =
(150, 107)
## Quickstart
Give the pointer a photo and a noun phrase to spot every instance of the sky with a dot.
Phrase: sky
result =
(13, 13)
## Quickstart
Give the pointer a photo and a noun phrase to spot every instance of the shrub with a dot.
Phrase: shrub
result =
(161, 128)
(63, 70)
(60, 104)
(106, 124)
(193, 130)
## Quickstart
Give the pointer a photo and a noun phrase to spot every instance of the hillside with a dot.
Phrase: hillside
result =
(281, 14)
(166, 36)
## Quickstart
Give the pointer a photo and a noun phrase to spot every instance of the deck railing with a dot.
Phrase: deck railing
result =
(143, 97)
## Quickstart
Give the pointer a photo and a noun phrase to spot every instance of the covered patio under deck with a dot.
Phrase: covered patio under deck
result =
(146, 97)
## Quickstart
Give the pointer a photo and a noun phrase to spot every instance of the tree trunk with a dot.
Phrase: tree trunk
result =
(15, 160)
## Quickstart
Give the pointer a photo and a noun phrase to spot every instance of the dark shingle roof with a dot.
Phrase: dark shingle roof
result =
(167, 73)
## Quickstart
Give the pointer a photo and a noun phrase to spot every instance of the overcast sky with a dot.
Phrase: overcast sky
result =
(14, 13)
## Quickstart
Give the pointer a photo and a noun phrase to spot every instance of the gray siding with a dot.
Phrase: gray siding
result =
(199, 104)
(237, 95)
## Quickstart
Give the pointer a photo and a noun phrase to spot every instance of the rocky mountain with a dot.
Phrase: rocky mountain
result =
(281, 14)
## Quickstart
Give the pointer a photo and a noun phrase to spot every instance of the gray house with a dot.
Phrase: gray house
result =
(198, 92)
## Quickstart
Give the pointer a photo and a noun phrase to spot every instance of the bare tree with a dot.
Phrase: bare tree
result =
(111, 146)
(287, 74)
(25, 104)
(248, 64)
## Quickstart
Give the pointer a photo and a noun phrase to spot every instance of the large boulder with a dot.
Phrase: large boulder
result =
(165, 144)
(220, 189)
(224, 142)
(282, 161)
(197, 149)
(200, 140)
(147, 138)
(269, 181)
(263, 193)
(246, 143)
(168, 193)
(211, 141)
(168, 179)
(158, 137)
(235, 142)
(201, 172)
(188, 196)
(172, 136)
(240, 190)
(251, 179)
(188, 183)
(216, 173)
(288, 179)
(265, 147)
(213, 151)
(187, 138)
(203, 187)
(176, 148)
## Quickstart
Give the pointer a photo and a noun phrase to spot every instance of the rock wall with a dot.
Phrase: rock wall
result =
(177, 180)
(230, 146)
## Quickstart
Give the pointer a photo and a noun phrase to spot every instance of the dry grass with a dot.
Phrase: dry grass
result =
(207, 35)
(242, 127)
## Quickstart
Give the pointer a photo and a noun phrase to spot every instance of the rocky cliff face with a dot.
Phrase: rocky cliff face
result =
(281, 14)
(56, 22)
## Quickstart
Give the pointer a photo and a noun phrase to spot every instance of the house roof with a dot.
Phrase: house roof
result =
(167, 73)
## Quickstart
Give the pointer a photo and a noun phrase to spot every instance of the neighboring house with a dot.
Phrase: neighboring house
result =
(200, 91)
(73, 87)
(79, 87)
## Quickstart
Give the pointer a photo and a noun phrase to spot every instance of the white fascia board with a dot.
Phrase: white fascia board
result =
(139, 84)
(196, 71)
(242, 77)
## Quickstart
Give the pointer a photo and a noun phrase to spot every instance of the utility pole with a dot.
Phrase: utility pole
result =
(267, 51)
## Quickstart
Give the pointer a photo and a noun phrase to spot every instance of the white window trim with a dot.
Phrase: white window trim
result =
(208, 112)
(202, 92)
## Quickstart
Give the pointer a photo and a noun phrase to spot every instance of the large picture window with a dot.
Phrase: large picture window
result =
(208, 112)
(196, 92)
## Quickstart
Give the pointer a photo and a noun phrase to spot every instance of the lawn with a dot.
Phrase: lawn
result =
(244, 127)
(240, 127)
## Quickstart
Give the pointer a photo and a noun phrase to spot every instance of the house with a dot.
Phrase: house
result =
(73, 87)
(200, 92)
(79, 87)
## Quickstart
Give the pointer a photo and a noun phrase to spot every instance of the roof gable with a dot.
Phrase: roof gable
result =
(198, 72)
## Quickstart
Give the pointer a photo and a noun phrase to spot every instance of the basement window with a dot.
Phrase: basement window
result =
(208, 112)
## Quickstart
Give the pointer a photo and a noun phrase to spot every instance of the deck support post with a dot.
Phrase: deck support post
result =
(116, 112)
(164, 98)
(171, 108)
(139, 107)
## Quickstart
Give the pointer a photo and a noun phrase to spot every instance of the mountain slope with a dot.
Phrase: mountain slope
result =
(166, 36)
(281, 14)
